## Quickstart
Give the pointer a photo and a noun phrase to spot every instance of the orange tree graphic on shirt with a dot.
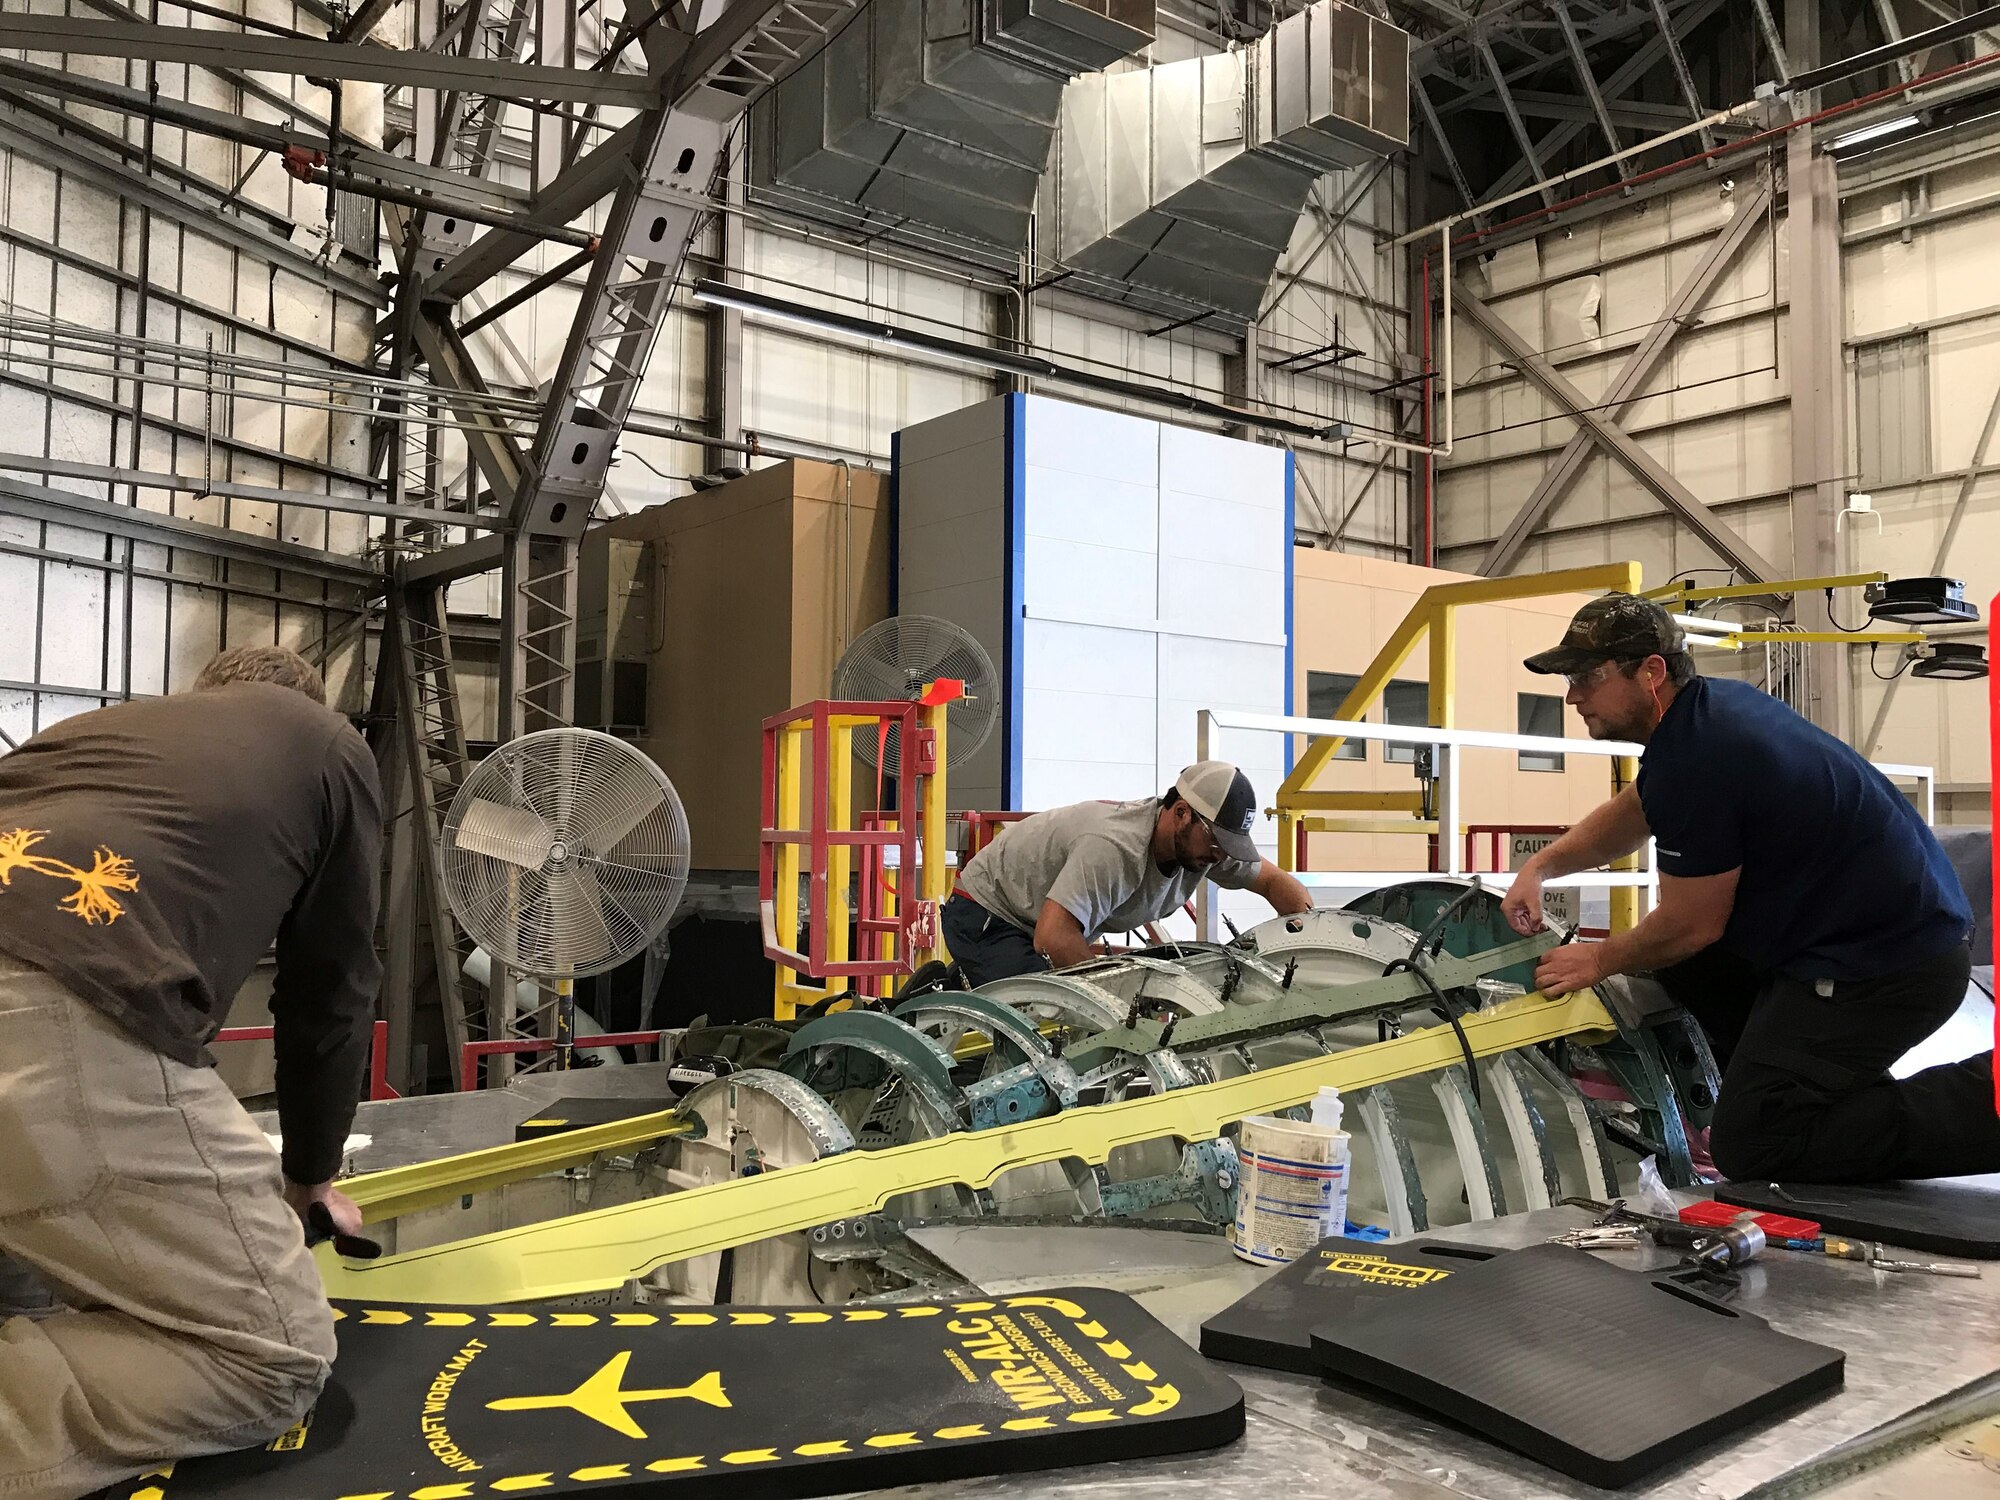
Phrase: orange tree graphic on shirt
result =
(92, 899)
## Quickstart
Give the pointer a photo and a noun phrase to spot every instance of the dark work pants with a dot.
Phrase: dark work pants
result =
(986, 947)
(1806, 1091)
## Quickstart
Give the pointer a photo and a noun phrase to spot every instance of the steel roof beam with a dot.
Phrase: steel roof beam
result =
(1681, 73)
(1581, 59)
(1720, 538)
(274, 54)
(1629, 73)
(1514, 121)
(1631, 379)
(64, 508)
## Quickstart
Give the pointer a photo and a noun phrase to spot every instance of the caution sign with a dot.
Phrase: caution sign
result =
(458, 1403)
(1272, 1327)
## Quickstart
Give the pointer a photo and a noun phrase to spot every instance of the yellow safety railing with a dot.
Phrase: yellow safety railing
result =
(1433, 618)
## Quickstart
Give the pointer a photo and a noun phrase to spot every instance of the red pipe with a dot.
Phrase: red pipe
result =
(378, 1053)
(1729, 148)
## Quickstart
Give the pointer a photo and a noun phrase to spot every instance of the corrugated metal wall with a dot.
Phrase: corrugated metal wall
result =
(1922, 368)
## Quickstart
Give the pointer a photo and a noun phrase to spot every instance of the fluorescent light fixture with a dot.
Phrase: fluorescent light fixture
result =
(1880, 131)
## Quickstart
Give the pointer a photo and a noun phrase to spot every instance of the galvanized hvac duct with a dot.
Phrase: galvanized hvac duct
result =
(941, 112)
(1188, 179)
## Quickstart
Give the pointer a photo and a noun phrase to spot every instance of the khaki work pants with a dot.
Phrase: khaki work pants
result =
(141, 1192)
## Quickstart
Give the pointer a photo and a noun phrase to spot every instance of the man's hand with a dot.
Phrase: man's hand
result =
(339, 1207)
(1572, 967)
(1522, 905)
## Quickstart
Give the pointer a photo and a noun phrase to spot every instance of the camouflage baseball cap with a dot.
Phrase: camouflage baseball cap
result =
(1618, 627)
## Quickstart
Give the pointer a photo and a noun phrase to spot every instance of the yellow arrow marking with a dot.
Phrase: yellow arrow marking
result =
(1093, 1416)
(513, 1320)
(573, 1320)
(1058, 1304)
(751, 1456)
(809, 1317)
(166, 1471)
(524, 1482)
(384, 1315)
(603, 1471)
(895, 1440)
(1027, 1424)
(675, 1465)
(442, 1492)
(1140, 1370)
(692, 1320)
(1165, 1398)
(633, 1320)
(920, 1312)
(1115, 1349)
(961, 1432)
(603, 1398)
(150, 1492)
(867, 1315)
(446, 1320)
(821, 1450)
(338, 1314)
(378, 1495)
(974, 1306)
(742, 1320)
(1092, 1330)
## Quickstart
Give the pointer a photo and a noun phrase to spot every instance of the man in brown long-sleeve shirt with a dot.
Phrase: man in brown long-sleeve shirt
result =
(150, 854)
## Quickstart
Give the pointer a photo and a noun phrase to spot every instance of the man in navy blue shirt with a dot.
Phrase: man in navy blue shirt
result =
(1807, 917)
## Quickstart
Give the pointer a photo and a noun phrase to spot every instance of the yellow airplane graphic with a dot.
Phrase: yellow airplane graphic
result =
(603, 1398)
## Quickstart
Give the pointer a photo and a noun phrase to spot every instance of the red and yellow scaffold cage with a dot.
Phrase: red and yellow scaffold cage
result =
(814, 842)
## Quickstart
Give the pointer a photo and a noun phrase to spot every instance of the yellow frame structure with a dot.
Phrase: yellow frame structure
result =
(1434, 615)
(793, 770)
(602, 1250)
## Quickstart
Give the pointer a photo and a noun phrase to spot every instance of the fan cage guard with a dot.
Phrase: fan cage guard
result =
(894, 659)
(613, 847)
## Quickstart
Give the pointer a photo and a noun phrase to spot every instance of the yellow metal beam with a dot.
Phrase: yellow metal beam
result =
(1304, 802)
(1835, 637)
(404, 1190)
(1781, 586)
(1313, 823)
(1431, 613)
(602, 1250)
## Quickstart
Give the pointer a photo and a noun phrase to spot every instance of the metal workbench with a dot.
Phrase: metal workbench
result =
(1919, 1348)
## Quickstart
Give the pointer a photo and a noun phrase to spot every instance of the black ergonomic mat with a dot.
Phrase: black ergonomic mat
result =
(726, 1401)
(1272, 1327)
(1947, 1215)
(574, 1114)
(1602, 1373)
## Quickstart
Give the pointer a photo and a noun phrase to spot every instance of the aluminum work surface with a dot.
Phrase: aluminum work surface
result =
(1910, 1341)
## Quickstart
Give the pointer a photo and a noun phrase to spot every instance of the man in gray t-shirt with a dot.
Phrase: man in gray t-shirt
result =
(1048, 886)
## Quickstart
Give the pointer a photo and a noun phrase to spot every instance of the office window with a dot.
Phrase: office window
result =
(1405, 703)
(1543, 715)
(1325, 692)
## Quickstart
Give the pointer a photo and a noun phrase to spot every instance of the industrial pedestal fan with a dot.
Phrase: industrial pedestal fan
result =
(564, 855)
(897, 658)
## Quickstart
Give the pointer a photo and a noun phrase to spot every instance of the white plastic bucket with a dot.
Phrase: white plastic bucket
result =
(1291, 1191)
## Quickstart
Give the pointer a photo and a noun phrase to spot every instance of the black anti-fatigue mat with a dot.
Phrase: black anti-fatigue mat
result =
(724, 1401)
(574, 1114)
(1602, 1373)
(1947, 1215)
(1272, 1327)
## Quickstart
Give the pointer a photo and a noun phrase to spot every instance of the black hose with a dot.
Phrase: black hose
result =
(1443, 1008)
